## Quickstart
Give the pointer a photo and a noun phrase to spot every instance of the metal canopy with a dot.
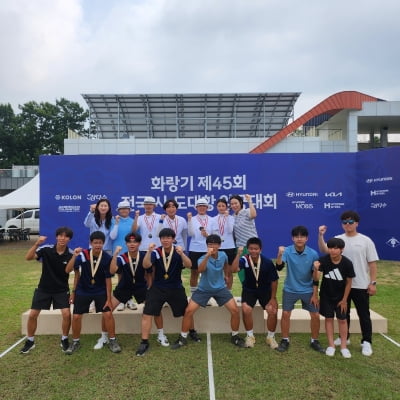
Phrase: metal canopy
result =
(161, 116)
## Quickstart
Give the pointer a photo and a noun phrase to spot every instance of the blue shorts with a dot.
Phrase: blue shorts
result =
(289, 299)
(221, 296)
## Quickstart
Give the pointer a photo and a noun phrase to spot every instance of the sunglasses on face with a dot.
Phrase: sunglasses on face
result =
(348, 221)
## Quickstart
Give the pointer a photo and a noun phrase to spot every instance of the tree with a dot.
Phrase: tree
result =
(40, 128)
(8, 136)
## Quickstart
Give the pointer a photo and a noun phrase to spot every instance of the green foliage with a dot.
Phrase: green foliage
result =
(40, 128)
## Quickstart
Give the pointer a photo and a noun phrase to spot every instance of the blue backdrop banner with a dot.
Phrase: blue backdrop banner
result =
(287, 190)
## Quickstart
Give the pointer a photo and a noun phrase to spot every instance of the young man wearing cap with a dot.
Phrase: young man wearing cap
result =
(199, 227)
(360, 249)
(121, 227)
(214, 269)
(147, 224)
(167, 262)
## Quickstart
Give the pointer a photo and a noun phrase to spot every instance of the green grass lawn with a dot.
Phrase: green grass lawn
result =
(258, 373)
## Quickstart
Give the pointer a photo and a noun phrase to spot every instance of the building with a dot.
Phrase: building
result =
(234, 123)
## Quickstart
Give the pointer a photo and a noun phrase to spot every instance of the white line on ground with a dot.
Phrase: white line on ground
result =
(391, 340)
(211, 387)
(14, 345)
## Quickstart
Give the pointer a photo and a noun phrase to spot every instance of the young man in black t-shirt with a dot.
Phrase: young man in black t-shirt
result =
(337, 273)
(53, 285)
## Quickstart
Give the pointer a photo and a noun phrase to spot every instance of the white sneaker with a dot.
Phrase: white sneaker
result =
(131, 305)
(330, 351)
(120, 307)
(100, 343)
(271, 342)
(345, 353)
(366, 348)
(250, 341)
(163, 340)
(338, 341)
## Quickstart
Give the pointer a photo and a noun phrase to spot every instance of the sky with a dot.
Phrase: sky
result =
(64, 48)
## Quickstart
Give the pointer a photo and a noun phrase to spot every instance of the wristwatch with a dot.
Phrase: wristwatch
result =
(373, 283)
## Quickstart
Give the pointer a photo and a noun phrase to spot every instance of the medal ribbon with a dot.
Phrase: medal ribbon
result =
(149, 224)
(167, 262)
(173, 223)
(94, 265)
(256, 269)
(221, 224)
(203, 221)
(133, 265)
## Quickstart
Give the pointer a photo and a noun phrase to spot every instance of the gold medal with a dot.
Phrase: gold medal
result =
(167, 261)
(94, 265)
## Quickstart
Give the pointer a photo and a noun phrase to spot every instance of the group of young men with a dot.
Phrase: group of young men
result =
(154, 276)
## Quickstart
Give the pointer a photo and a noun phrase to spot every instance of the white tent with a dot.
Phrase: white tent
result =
(26, 196)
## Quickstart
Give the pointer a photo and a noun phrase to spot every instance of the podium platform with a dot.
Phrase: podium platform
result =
(211, 319)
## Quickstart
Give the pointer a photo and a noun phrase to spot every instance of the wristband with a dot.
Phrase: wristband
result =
(373, 283)
(315, 283)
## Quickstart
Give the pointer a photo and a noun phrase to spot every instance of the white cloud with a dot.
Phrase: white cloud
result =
(62, 48)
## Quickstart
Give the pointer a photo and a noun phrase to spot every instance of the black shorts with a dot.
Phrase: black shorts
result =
(328, 308)
(231, 253)
(194, 258)
(263, 295)
(42, 300)
(123, 295)
(156, 297)
(82, 303)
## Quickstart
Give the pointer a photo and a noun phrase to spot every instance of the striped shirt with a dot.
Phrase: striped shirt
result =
(244, 227)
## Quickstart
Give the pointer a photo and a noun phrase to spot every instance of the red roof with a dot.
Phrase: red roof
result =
(333, 104)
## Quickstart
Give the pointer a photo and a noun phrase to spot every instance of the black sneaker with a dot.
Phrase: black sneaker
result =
(28, 346)
(180, 342)
(238, 341)
(64, 344)
(194, 336)
(283, 346)
(74, 346)
(317, 347)
(143, 347)
(114, 346)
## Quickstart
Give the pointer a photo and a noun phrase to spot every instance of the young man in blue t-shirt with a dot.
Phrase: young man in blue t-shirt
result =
(298, 259)
(214, 269)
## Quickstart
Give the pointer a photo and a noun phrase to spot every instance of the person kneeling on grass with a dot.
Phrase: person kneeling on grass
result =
(260, 283)
(92, 283)
(213, 267)
(337, 275)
